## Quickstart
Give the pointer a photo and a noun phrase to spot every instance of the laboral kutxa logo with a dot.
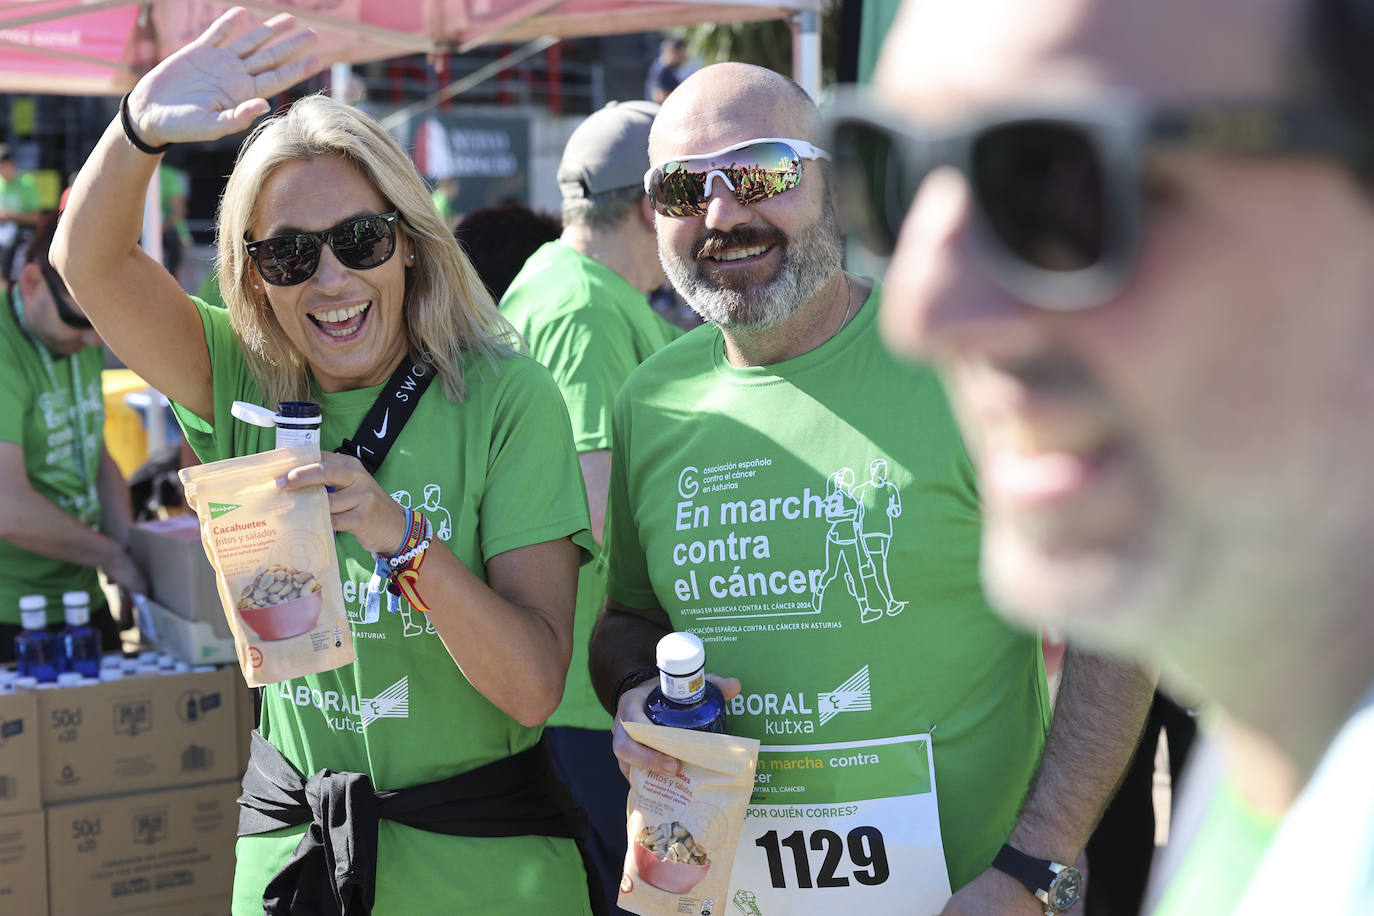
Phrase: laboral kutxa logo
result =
(351, 713)
(797, 714)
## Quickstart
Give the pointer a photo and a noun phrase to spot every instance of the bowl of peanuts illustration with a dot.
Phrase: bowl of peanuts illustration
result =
(280, 602)
(668, 857)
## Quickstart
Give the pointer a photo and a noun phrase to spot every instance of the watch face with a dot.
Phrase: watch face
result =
(1065, 888)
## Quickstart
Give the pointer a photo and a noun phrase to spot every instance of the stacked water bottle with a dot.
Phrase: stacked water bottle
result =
(72, 657)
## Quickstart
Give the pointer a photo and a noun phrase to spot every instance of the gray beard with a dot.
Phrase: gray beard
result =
(809, 260)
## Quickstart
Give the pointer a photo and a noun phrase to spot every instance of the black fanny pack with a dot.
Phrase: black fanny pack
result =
(334, 868)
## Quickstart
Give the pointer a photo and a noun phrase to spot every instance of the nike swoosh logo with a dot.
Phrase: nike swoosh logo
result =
(386, 418)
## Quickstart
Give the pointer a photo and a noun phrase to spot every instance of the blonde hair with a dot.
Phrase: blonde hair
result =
(446, 308)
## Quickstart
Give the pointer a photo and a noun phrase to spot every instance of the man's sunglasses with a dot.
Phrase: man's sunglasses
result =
(754, 170)
(71, 317)
(360, 244)
(1058, 191)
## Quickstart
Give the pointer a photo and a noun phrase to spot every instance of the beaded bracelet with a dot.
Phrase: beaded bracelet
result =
(126, 122)
(397, 575)
(405, 566)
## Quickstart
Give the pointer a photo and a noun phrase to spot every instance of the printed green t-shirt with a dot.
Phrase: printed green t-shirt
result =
(55, 412)
(494, 473)
(591, 328)
(816, 523)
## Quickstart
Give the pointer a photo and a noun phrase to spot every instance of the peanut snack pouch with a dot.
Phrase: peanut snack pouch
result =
(275, 564)
(683, 828)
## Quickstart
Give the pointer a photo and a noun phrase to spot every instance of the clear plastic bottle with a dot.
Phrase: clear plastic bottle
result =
(80, 640)
(683, 697)
(38, 652)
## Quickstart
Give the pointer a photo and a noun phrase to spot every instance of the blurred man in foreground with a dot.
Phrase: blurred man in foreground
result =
(1135, 240)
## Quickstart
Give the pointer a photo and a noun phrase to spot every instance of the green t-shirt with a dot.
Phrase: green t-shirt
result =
(591, 328)
(443, 205)
(494, 473)
(55, 412)
(20, 195)
(173, 182)
(739, 501)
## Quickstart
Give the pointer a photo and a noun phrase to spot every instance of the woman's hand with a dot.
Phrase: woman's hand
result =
(219, 83)
(357, 503)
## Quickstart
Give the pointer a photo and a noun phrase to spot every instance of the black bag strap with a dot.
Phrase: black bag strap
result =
(389, 413)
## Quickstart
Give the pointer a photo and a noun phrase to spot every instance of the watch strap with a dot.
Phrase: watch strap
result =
(1034, 873)
(628, 680)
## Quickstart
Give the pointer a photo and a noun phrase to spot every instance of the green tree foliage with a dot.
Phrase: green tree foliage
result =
(768, 44)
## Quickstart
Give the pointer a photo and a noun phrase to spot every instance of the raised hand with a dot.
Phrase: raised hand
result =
(219, 83)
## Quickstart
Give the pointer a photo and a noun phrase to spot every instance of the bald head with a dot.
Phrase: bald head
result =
(730, 102)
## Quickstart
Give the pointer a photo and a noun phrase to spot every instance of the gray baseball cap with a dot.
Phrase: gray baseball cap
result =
(608, 151)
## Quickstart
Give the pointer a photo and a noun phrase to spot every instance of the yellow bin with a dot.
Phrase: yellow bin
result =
(125, 436)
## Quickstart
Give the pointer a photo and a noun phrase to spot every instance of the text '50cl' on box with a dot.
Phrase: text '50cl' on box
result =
(139, 852)
(136, 734)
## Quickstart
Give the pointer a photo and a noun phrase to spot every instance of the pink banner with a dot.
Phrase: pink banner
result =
(93, 52)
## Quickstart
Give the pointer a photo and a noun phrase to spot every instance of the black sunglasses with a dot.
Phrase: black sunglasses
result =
(71, 317)
(1058, 191)
(360, 244)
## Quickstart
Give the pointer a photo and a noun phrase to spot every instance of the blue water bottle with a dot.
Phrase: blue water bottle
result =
(80, 641)
(36, 651)
(683, 697)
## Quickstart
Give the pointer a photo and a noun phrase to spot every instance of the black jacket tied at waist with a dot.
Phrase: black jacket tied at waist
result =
(334, 868)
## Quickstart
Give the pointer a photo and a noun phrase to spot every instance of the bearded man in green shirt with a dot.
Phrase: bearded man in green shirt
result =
(906, 739)
(581, 305)
(66, 509)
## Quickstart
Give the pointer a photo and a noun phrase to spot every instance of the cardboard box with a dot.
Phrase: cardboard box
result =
(18, 754)
(180, 577)
(211, 906)
(193, 641)
(152, 731)
(138, 852)
(23, 864)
